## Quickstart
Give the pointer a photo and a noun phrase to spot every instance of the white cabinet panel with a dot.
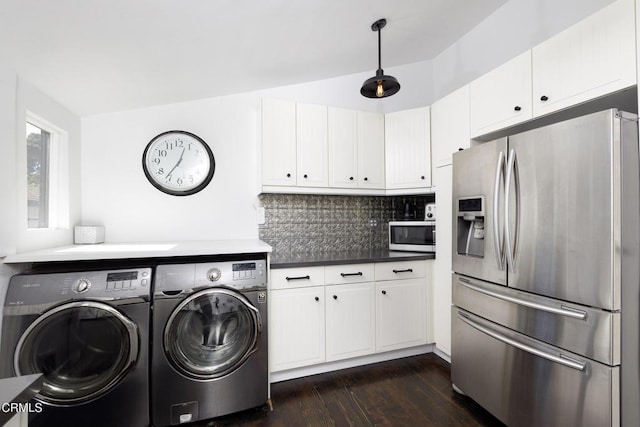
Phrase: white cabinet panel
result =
(296, 328)
(502, 97)
(343, 148)
(350, 320)
(349, 273)
(407, 149)
(590, 59)
(400, 270)
(449, 126)
(371, 167)
(401, 310)
(311, 147)
(278, 142)
(442, 267)
(299, 277)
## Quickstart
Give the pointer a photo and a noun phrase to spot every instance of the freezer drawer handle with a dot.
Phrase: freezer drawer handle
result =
(563, 311)
(562, 360)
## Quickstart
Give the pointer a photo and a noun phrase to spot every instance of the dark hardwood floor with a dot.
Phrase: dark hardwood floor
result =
(414, 391)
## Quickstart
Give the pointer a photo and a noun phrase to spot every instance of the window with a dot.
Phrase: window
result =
(38, 147)
(43, 192)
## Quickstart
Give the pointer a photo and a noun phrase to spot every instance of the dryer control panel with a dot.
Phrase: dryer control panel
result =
(234, 274)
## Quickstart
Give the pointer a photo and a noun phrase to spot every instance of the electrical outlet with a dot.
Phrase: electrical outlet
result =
(373, 222)
(260, 216)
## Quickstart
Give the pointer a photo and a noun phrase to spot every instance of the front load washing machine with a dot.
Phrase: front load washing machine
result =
(209, 351)
(87, 333)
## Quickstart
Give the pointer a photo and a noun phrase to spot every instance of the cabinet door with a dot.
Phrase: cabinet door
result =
(502, 97)
(401, 314)
(370, 150)
(343, 148)
(278, 142)
(590, 59)
(350, 320)
(442, 179)
(449, 126)
(296, 328)
(312, 151)
(407, 149)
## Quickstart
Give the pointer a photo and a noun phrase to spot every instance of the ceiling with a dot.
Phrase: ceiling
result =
(97, 56)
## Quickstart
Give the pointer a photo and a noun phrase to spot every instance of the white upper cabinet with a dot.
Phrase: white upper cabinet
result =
(595, 57)
(407, 149)
(343, 148)
(356, 149)
(278, 142)
(502, 97)
(371, 150)
(311, 147)
(449, 126)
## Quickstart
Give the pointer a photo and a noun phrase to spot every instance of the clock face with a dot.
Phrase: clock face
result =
(178, 163)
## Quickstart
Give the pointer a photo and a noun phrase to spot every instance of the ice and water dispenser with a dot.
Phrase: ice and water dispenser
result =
(470, 227)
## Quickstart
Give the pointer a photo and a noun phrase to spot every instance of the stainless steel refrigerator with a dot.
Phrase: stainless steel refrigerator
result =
(545, 323)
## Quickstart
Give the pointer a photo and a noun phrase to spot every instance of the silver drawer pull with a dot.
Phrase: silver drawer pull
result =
(561, 359)
(563, 310)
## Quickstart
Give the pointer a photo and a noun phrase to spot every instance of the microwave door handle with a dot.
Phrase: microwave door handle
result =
(498, 242)
(512, 177)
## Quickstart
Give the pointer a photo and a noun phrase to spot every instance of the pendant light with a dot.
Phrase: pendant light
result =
(379, 86)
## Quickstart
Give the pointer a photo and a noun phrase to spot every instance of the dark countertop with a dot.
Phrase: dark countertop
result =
(290, 260)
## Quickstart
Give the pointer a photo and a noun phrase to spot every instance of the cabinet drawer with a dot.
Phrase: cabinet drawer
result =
(348, 273)
(297, 277)
(400, 270)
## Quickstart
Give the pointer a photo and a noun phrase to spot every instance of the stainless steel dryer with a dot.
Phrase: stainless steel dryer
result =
(209, 351)
(87, 332)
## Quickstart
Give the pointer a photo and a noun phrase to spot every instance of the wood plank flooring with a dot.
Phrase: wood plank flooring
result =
(414, 391)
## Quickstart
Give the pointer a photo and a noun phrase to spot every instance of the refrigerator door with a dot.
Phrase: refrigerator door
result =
(478, 237)
(563, 232)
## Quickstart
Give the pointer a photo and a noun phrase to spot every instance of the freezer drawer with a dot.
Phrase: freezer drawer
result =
(525, 382)
(591, 332)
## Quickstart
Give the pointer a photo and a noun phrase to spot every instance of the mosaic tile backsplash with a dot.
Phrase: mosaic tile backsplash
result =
(300, 223)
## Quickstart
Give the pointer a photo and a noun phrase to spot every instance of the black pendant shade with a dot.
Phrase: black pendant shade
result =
(379, 86)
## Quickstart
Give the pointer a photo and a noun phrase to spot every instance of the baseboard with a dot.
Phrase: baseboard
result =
(351, 363)
(441, 354)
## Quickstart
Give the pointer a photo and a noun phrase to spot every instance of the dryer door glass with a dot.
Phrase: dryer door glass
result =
(211, 333)
(82, 348)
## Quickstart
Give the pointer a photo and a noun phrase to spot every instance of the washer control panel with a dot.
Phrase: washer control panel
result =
(40, 288)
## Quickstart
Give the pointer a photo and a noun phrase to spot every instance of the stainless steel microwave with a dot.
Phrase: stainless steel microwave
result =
(412, 236)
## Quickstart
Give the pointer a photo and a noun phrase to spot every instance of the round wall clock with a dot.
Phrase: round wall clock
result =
(178, 163)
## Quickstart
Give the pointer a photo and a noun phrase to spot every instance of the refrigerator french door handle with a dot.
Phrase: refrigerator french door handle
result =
(568, 312)
(512, 177)
(561, 359)
(497, 241)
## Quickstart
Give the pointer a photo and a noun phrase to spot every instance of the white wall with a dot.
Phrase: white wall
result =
(8, 195)
(116, 194)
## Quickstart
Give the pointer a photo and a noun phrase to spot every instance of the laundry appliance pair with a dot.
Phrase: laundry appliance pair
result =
(140, 345)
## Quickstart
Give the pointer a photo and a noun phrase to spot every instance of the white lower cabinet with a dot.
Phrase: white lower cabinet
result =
(296, 327)
(349, 314)
(401, 314)
(350, 320)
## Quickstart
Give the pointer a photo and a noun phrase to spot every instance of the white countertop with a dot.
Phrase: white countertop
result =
(104, 251)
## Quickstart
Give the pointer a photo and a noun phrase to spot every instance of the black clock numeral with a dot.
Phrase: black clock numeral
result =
(179, 181)
(179, 143)
(161, 153)
(160, 171)
(156, 160)
(169, 145)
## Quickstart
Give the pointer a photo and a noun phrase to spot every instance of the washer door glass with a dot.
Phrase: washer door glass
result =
(211, 333)
(82, 348)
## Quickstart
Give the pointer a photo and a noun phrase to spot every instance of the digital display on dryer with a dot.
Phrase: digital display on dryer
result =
(122, 276)
(245, 266)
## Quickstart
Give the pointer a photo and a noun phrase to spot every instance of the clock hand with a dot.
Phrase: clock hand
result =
(179, 161)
